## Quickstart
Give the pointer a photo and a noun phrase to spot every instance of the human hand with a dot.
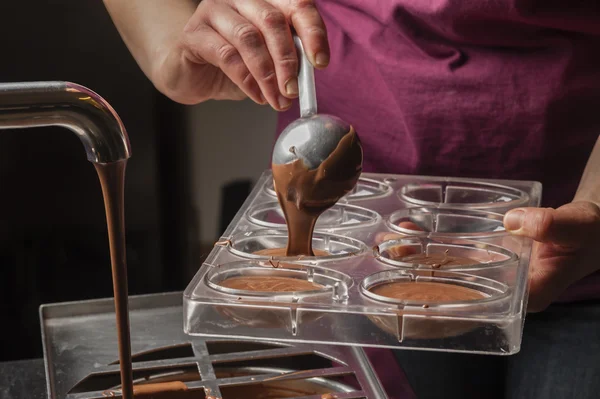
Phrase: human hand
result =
(567, 247)
(233, 49)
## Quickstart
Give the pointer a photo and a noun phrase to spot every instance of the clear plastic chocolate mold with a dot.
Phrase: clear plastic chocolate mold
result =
(443, 253)
(339, 216)
(272, 244)
(463, 194)
(441, 230)
(426, 295)
(365, 189)
(449, 221)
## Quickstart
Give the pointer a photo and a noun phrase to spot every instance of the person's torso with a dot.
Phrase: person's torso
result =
(478, 88)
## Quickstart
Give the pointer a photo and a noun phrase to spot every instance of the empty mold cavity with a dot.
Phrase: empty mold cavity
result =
(259, 244)
(340, 216)
(447, 221)
(365, 189)
(443, 253)
(463, 194)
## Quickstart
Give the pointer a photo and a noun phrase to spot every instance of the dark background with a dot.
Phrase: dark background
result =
(53, 242)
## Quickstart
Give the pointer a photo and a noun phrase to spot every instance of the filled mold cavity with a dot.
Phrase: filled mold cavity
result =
(443, 253)
(252, 279)
(272, 244)
(365, 189)
(426, 302)
(339, 216)
(250, 285)
(461, 194)
(446, 221)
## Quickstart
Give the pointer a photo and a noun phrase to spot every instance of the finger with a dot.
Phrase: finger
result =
(204, 45)
(311, 29)
(249, 42)
(276, 32)
(570, 225)
(400, 251)
(551, 273)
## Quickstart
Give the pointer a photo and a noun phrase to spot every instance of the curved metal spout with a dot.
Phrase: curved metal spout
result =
(69, 105)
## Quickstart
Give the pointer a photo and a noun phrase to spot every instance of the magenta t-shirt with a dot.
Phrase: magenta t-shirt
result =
(506, 89)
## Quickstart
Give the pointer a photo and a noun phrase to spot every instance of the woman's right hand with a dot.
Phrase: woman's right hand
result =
(232, 49)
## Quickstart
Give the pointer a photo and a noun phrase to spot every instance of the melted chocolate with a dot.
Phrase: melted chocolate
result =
(280, 252)
(112, 180)
(270, 284)
(305, 194)
(164, 390)
(437, 260)
(427, 292)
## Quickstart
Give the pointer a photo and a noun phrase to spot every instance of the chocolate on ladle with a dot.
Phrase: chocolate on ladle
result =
(317, 160)
(305, 194)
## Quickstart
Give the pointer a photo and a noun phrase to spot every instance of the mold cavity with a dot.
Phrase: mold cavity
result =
(443, 253)
(463, 194)
(223, 347)
(340, 216)
(365, 189)
(271, 244)
(169, 352)
(112, 380)
(250, 278)
(420, 221)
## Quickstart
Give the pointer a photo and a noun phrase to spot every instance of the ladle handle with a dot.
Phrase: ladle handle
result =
(306, 82)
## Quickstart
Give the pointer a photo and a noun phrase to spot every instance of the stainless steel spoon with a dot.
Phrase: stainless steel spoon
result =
(312, 137)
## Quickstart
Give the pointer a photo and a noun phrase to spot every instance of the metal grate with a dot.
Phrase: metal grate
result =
(80, 349)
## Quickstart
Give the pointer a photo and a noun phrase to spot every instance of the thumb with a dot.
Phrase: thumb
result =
(571, 225)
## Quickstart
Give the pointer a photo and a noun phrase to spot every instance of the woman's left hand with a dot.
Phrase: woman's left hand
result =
(567, 247)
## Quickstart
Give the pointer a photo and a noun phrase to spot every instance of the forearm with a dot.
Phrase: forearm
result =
(589, 186)
(150, 27)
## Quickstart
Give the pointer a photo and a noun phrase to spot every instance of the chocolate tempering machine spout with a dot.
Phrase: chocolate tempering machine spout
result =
(77, 108)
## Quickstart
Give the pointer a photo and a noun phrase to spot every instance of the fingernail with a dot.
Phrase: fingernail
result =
(322, 59)
(513, 220)
(263, 100)
(291, 87)
(284, 102)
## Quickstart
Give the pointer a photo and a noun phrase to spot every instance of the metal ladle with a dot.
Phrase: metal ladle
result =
(312, 137)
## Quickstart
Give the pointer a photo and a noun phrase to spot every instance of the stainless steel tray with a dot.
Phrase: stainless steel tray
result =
(80, 351)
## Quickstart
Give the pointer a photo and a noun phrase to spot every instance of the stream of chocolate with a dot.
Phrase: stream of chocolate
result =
(278, 252)
(112, 179)
(305, 194)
